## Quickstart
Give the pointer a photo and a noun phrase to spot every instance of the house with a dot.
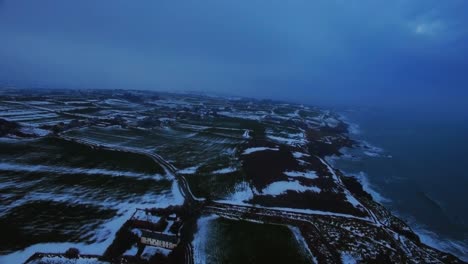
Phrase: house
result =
(157, 239)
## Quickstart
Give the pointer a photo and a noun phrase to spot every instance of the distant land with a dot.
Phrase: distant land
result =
(125, 176)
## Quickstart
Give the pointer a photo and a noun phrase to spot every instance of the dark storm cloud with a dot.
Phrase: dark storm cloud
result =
(358, 52)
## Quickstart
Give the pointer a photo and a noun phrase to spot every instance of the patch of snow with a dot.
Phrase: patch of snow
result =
(246, 134)
(168, 226)
(105, 233)
(281, 187)
(117, 102)
(348, 258)
(291, 139)
(137, 232)
(178, 198)
(199, 242)
(22, 255)
(63, 260)
(191, 170)
(242, 192)
(150, 251)
(38, 102)
(350, 198)
(301, 240)
(303, 162)
(307, 174)
(146, 216)
(247, 116)
(31, 117)
(5, 166)
(132, 251)
(256, 149)
(229, 151)
(299, 155)
(5, 114)
(331, 170)
(225, 170)
(295, 114)
(331, 122)
(36, 131)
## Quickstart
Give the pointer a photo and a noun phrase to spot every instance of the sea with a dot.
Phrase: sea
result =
(415, 164)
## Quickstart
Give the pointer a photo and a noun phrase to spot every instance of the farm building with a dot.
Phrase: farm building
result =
(159, 239)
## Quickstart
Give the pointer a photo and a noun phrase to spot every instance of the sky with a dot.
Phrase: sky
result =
(400, 53)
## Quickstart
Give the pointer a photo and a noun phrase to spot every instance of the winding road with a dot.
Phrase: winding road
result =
(305, 220)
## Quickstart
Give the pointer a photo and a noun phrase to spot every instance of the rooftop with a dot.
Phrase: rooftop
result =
(160, 236)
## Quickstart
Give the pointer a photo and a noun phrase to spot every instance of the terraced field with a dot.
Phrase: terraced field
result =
(247, 181)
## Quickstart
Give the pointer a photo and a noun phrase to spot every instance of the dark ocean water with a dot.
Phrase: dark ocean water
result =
(419, 172)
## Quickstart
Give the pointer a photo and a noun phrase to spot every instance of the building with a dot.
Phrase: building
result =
(157, 239)
(172, 217)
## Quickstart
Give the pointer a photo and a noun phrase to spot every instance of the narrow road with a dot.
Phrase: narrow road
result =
(168, 168)
(271, 211)
(185, 188)
(189, 254)
(304, 220)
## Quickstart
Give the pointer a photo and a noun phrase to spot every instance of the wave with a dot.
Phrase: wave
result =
(363, 179)
(371, 150)
(368, 149)
(353, 128)
(455, 247)
(365, 149)
(458, 248)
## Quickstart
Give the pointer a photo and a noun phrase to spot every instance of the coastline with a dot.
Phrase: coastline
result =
(367, 150)
(283, 161)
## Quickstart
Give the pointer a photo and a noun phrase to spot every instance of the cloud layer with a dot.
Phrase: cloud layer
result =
(366, 52)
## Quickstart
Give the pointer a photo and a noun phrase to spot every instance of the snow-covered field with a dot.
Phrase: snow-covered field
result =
(256, 149)
(281, 187)
(121, 151)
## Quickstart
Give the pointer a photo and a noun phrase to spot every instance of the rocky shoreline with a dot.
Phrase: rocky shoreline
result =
(239, 159)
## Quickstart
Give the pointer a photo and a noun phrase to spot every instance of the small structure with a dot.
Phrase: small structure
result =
(172, 217)
(156, 229)
(158, 239)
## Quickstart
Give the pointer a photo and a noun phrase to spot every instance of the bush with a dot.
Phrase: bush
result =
(72, 253)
